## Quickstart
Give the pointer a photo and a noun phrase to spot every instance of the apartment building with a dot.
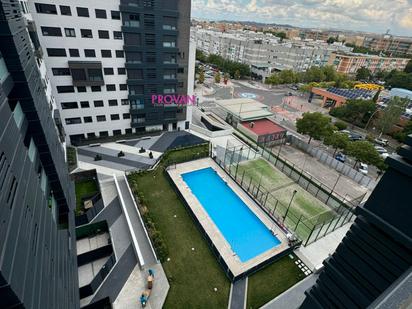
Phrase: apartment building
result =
(262, 51)
(349, 63)
(389, 44)
(107, 58)
(38, 264)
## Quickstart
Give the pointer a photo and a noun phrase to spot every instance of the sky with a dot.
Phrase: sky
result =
(360, 15)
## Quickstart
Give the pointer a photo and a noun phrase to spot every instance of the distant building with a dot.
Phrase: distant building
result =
(350, 63)
(389, 44)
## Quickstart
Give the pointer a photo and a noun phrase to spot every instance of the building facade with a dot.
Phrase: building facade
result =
(107, 58)
(389, 44)
(371, 268)
(38, 264)
(351, 63)
(261, 50)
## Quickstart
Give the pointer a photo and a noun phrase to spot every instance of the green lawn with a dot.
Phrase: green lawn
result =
(84, 188)
(268, 283)
(192, 275)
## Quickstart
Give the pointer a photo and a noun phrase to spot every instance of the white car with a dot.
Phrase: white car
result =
(382, 152)
(381, 141)
(363, 168)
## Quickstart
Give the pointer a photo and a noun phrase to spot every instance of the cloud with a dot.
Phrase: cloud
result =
(365, 15)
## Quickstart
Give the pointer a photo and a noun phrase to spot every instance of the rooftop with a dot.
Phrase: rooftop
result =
(245, 109)
(263, 127)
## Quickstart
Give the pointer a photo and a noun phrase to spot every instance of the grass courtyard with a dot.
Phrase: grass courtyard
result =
(84, 188)
(192, 275)
(304, 205)
(273, 280)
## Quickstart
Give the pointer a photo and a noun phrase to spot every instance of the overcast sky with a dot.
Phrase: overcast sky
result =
(364, 15)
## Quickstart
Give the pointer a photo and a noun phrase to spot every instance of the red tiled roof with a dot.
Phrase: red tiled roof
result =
(263, 127)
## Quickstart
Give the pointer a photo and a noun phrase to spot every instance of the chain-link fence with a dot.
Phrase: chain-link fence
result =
(273, 181)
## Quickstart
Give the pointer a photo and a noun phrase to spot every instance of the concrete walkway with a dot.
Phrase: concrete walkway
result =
(294, 297)
(238, 294)
(143, 247)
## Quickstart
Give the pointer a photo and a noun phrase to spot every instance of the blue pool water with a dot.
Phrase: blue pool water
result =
(245, 233)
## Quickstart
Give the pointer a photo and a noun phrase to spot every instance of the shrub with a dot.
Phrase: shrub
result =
(142, 150)
(150, 155)
(121, 154)
(97, 157)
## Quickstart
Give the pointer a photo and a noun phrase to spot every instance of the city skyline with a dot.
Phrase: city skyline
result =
(337, 14)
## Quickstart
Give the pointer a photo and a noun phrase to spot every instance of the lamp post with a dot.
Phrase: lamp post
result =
(290, 203)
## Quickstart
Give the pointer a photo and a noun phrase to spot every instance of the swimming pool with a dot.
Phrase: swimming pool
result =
(246, 234)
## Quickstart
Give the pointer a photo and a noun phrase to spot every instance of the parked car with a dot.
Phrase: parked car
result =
(382, 151)
(363, 168)
(340, 157)
(381, 141)
(353, 136)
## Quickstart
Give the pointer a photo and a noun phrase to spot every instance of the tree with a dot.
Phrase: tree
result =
(331, 40)
(200, 56)
(287, 77)
(376, 96)
(217, 77)
(391, 114)
(407, 130)
(316, 125)
(397, 79)
(201, 78)
(314, 74)
(365, 152)
(340, 125)
(273, 79)
(225, 78)
(363, 74)
(355, 111)
(237, 74)
(337, 140)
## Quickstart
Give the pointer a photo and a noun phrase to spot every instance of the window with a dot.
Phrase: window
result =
(51, 31)
(136, 90)
(106, 53)
(69, 32)
(78, 74)
(96, 89)
(103, 34)
(73, 52)
(56, 52)
(61, 71)
(180, 70)
(69, 105)
(45, 8)
(111, 87)
(95, 74)
(119, 54)
(100, 13)
(101, 118)
(150, 39)
(114, 117)
(75, 120)
(148, 3)
(123, 86)
(65, 89)
(124, 102)
(117, 132)
(87, 119)
(117, 35)
(151, 57)
(121, 71)
(133, 21)
(86, 33)
(134, 57)
(150, 73)
(81, 89)
(134, 74)
(84, 104)
(91, 135)
(18, 116)
(128, 131)
(108, 71)
(82, 12)
(65, 10)
(98, 103)
(115, 15)
(89, 53)
(103, 133)
(132, 39)
(126, 116)
(113, 103)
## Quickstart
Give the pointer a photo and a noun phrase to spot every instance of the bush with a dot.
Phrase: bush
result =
(121, 154)
(150, 155)
(340, 125)
(97, 157)
(142, 150)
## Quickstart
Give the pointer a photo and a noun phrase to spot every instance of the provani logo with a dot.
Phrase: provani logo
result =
(176, 99)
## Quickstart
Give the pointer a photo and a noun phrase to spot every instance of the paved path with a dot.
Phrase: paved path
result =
(143, 242)
(294, 297)
(238, 294)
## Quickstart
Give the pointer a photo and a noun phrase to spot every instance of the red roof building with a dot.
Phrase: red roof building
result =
(263, 130)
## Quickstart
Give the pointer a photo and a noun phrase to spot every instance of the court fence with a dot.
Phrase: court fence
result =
(308, 230)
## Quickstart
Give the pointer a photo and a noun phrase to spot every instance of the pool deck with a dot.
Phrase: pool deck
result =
(231, 259)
